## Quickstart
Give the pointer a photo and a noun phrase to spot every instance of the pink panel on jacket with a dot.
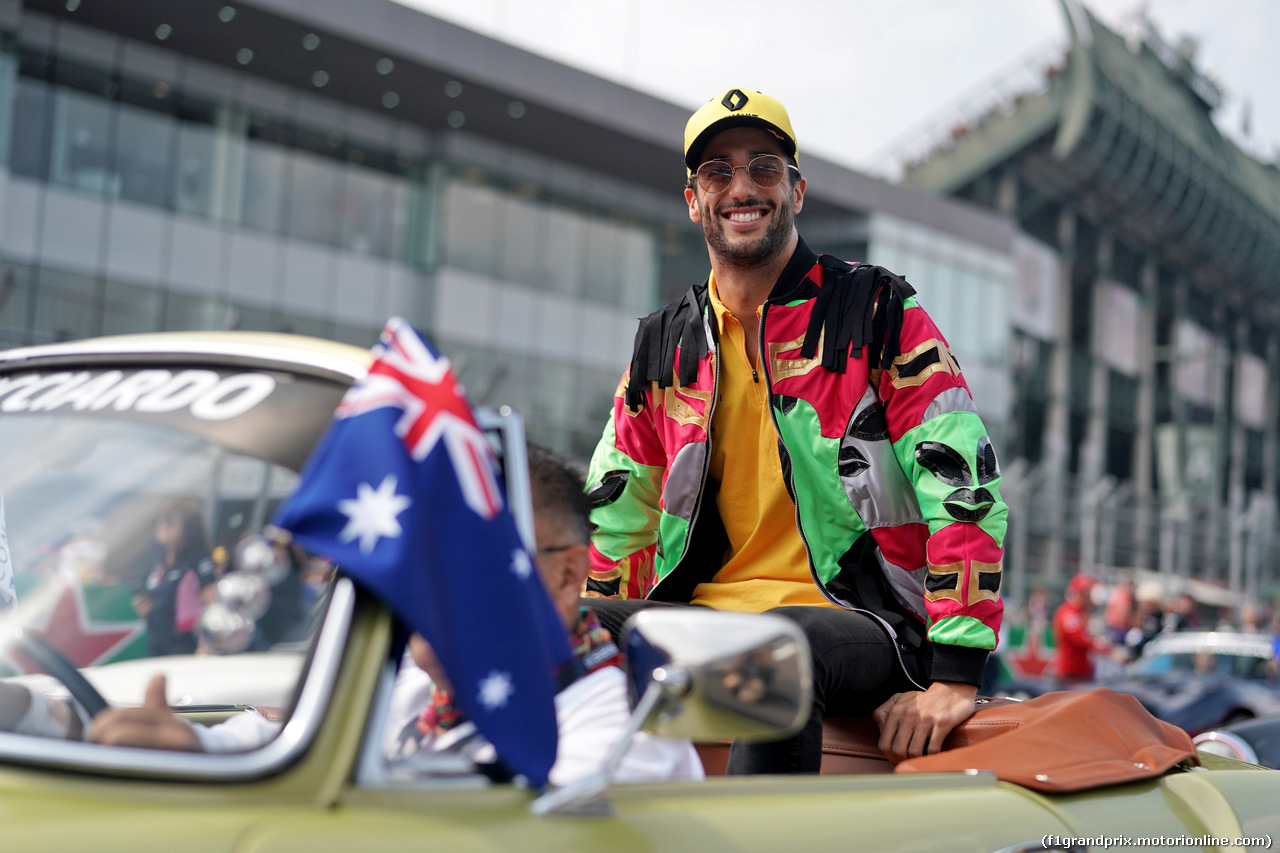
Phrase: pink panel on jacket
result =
(832, 395)
(966, 543)
(671, 418)
(903, 545)
(905, 401)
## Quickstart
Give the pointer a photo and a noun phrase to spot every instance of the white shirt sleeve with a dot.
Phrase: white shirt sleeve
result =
(409, 695)
(591, 715)
(239, 733)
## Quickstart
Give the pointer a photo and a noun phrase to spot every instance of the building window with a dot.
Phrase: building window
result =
(66, 307)
(128, 309)
(81, 143)
(143, 155)
(195, 169)
(313, 198)
(30, 142)
(265, 177)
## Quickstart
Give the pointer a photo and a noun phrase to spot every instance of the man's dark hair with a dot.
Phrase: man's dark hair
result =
(558, 489)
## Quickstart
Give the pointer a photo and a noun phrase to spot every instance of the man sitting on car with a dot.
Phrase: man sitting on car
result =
(591, 711)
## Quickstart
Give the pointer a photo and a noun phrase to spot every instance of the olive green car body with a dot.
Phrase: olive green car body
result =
(326, 798)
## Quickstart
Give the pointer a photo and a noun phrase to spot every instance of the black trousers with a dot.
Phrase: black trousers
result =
(855, 668)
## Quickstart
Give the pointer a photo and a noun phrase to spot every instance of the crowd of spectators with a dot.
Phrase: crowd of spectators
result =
(1097, 627)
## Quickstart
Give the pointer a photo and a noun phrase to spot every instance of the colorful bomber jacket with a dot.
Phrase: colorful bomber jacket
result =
(894, 479)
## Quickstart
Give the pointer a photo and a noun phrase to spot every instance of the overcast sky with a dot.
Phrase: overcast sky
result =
(865, 78)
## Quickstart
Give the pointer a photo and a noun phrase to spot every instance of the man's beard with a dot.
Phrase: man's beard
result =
(752, 254)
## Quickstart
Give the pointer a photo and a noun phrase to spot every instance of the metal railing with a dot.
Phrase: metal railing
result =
(1105, 529)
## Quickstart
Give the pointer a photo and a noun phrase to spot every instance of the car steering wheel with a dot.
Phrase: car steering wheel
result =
(36, 647)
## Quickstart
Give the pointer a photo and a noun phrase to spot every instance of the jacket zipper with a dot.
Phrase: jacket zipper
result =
(791, 483)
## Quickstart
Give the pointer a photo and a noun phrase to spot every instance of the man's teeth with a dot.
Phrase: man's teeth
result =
(745, 217)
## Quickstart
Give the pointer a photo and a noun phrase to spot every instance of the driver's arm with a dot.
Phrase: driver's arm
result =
(155, 726)
(25, 712)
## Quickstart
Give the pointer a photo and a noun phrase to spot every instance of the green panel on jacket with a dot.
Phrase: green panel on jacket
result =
(961, 431)
(633, 517)
(830, 523)
(963, 631)
(673, 529)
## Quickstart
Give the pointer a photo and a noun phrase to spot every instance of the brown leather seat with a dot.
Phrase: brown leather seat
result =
(851, 744)
(848, 746)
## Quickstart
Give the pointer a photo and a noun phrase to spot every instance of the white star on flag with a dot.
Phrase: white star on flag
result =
(521, 565)
(372, 515)
(495, 690)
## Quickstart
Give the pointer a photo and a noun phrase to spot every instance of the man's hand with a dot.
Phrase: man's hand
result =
(153, 725)
(911, 722)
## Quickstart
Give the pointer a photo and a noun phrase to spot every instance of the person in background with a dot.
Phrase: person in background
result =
(172, 594)
(1181, 614)
(592, 709)
(1073, 640)
(1118, 613)
(1148, 619)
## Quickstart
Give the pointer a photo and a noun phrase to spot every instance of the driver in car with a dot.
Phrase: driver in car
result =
(591, 710)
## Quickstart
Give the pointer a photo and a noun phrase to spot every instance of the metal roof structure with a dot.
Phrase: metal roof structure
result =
(364, 50)
(1122, 132)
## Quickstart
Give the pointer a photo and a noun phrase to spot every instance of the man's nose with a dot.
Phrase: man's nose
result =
(741, 184)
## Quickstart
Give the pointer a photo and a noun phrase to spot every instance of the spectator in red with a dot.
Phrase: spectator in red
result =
(1073, 659)
(1118, 614)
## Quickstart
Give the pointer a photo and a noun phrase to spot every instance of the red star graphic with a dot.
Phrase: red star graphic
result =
(1030, 661)
(82, 641)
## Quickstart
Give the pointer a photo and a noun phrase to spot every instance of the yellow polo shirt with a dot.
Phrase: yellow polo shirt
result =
(765, 565)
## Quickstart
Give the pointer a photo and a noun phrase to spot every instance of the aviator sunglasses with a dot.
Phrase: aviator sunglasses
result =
(765, 170)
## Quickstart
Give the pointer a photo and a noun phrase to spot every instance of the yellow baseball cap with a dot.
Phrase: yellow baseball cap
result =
(736, 108)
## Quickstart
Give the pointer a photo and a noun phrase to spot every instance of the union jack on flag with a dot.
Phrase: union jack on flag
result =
(402, 493)
(408, 376)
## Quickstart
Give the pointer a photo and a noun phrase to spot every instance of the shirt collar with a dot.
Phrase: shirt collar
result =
(716, 305)
(801, 264)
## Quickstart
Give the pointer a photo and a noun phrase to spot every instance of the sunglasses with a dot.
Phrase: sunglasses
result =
(766, 170)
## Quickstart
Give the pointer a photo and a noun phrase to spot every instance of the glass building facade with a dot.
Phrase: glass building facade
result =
(148, 191)
(153, 185)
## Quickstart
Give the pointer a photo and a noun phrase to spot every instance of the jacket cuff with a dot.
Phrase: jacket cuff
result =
(958, 663)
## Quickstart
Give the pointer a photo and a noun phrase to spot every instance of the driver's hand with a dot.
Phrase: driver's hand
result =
(153, 725)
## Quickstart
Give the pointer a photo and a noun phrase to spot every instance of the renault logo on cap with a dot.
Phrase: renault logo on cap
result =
(734, 100)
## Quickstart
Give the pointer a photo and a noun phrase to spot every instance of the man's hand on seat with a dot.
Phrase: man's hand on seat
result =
(915, 722)
(153, 725)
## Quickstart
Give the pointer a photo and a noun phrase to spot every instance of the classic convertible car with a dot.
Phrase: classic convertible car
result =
(105, 444)
(1198, 680)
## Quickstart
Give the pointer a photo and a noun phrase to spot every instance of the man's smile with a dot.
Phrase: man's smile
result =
(745, 215)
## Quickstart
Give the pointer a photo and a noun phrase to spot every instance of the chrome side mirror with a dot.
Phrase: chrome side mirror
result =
(719, 675)
(698, 673)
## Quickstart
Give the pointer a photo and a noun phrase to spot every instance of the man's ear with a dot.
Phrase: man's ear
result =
(691, 198)
(798, 195)
(577, 565)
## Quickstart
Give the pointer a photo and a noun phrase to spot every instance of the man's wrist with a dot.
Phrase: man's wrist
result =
(39, 719)
(959, 664)
(956, 687)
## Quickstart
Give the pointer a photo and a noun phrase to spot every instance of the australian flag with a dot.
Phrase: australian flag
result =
(402, 492)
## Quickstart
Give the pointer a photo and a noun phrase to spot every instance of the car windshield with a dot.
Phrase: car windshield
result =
(1205, 663)
(124, 519)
